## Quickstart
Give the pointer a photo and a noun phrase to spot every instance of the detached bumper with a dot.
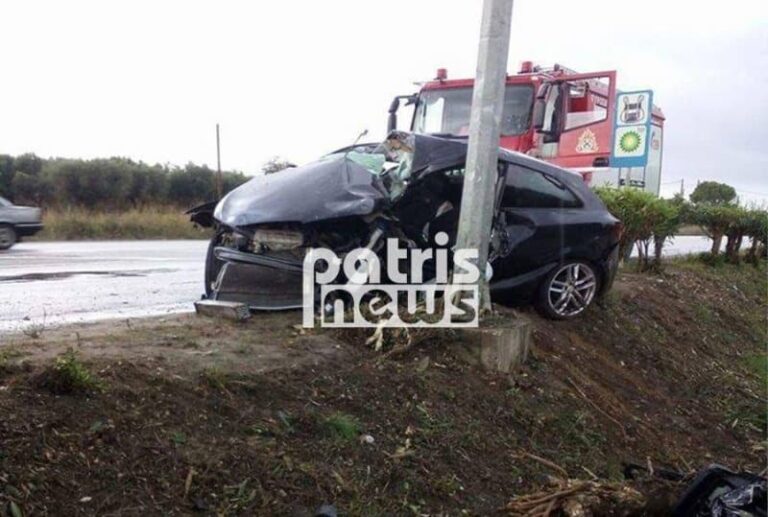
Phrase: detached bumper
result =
(28, 229)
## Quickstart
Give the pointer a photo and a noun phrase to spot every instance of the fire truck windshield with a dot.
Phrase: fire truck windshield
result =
(447, 111)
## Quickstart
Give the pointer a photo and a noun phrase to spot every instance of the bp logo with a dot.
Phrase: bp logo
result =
(629, 141)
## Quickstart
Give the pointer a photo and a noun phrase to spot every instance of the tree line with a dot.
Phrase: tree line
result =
(108, 183)
(650, 222)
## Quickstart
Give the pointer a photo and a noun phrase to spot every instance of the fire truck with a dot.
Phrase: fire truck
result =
(555, 114)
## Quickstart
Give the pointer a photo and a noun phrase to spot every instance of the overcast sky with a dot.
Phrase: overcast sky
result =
(149, 79)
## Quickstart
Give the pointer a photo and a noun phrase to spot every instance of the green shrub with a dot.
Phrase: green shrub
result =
(646, 219)
(630, 206)
(715, 220)
(343, 426)
(756, 228)
(68, 375)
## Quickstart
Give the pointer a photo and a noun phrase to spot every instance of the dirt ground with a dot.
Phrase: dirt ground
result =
(187, 415)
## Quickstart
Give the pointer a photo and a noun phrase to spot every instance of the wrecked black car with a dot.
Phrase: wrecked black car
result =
(552, 241)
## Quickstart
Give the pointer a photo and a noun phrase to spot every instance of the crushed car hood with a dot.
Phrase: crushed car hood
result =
(335, 186)
(349, 182)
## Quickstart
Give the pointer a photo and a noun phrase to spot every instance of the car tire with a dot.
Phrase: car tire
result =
(568, 290)
(7, 236)
(212, 265)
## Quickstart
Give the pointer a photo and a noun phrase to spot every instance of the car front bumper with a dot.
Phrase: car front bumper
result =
(28, 229)
(262, 282)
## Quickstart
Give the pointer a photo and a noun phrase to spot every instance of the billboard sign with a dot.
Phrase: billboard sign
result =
(632, 129)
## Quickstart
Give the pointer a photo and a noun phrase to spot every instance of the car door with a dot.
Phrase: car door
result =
(538, 218)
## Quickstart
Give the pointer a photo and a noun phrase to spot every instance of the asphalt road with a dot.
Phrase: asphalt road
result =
(45, 284)
(51, 283)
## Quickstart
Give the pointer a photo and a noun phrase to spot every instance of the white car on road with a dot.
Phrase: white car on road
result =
(17, 222)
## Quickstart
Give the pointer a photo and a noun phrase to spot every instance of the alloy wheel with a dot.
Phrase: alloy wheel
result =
(572, 289)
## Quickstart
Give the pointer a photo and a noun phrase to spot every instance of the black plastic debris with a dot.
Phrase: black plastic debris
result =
(719, 492)
(747, 500)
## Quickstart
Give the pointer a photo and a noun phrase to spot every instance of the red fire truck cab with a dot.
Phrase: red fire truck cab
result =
(554, 114)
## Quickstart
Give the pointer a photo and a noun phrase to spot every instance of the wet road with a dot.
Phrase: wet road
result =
(50, 283)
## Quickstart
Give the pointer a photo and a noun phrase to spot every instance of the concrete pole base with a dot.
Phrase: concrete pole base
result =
(500, 349)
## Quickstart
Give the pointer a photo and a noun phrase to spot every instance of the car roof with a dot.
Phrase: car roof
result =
(433, 153)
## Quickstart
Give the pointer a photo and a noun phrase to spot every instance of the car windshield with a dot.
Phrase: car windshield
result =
(447, 111)
(4, 202)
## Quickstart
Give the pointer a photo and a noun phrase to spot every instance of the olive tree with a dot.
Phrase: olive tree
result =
(668, 217)
(737, 229)
(714, 220)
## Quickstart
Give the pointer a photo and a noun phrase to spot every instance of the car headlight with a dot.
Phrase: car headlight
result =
(277, 240)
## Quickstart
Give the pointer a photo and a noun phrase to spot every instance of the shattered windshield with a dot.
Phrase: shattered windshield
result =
(391, 160)
(447, 111)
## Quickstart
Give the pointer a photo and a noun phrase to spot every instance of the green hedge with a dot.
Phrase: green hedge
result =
(652, 221)
(112, 183)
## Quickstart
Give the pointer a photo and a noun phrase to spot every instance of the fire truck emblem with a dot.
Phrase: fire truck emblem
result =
(630, 141)
(587, 142)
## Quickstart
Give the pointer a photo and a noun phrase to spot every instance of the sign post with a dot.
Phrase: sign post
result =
(219, 186)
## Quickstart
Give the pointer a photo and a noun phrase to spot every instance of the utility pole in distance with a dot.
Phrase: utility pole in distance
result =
(481, 173)
(219, 187)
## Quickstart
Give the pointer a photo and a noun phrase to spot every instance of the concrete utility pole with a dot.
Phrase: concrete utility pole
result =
(219, 187)
(477, 201)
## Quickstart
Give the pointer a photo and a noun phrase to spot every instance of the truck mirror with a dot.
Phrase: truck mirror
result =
(392, 120)
(395, 105)
(540, 107)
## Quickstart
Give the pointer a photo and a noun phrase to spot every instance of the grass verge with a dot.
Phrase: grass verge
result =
(160, 222)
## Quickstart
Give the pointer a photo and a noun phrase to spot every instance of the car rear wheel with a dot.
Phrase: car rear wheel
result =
(568, 290)
(7, 236)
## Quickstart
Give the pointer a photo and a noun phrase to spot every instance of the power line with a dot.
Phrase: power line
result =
(750, 192)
